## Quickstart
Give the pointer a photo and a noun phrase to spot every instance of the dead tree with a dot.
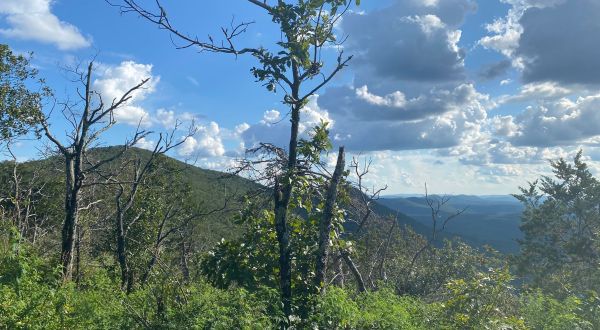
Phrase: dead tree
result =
(177, 221)
(361, 206)
(367, 196)
(326, 223)
(127, 190)
(19, 204)
(93, 120)
(438, 223)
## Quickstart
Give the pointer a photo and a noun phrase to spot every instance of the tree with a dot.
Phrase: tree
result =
(20, 107)
(307, 29)
(95, 118)
(561, 228)
(125, 197)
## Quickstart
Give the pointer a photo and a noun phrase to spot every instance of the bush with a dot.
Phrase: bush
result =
(383, 309)
(541, 311)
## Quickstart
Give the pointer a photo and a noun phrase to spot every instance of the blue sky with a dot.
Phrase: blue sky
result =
(470, 96)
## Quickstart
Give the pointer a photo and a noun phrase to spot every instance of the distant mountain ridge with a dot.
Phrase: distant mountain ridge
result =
(488, 220)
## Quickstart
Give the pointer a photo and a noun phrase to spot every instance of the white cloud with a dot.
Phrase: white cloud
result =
(549, 40)
(537, 91)
(146, 144)
(207, 142)
(415, 41)
(271, 117)
(560, 122)
(273, 129)
(440, 119)
(506, 32)
(241, 128)
(166, 118)
(33, 20)
(114, 81)
(396, 99)
(428, 23)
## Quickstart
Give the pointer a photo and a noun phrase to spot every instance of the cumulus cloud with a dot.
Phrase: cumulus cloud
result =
(560, 43)
(561, 122)
(550, 40)
(34, 20)
(361, 104)
(409, 89)
(207, 142)
(410, 40)
(114, 81)
(505, 32)
(361, 122)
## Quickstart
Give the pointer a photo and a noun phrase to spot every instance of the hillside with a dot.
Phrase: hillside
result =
(208, 189)
(489, 220)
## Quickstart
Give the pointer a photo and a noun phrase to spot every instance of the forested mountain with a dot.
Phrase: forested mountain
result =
(220, 194)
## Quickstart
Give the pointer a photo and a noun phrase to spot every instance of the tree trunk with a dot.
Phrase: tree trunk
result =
(71, 217)
(78, 274)
(185, 270)
(326, 221)
(360, 283)
(282, 195)
(122, 254)
(282, 198)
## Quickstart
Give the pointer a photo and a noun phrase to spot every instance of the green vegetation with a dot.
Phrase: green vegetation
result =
(148, 242)
(233, 282)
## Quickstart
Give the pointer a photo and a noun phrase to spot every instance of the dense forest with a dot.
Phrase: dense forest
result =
(123, 237)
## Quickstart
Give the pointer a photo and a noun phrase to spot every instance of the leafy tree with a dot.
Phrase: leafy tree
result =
(252, 260)
(20, 106)
(561, 226)
(486, 301)
(295, 67)
(541, 311)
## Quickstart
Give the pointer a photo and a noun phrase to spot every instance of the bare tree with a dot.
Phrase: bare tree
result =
(438, 223)
(366, 196)
(19, 203)
(93, 120)
(127, 190)
(325, 226)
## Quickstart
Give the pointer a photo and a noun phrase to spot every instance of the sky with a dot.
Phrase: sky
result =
(468, 96)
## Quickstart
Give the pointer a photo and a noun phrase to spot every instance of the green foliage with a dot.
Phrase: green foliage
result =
(20, 107)
(32, 297)
(541, 311)
(383, 309)
(561, 227)
(484, 302)
(250, 262)
(167, 304)
(312, 149)
(307, 25)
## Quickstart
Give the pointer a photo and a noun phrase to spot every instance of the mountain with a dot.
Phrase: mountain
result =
(487, 220)
(491, 220)
(208, 188)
